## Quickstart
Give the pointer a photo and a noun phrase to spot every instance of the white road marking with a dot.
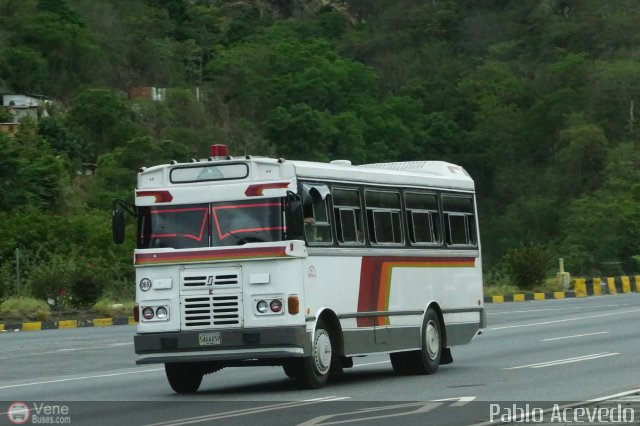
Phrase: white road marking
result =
(608, 314)
(574, 336)
(71, 379)
(57, 351)
(247, 411)
(564, 361)
(459, 402)
(615, 395)
(554, 309)
(371, 363)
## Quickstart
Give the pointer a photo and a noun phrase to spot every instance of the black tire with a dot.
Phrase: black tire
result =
(432, 342)
(427, 359)
(312, 372)
(401, 362)
(290, 368)
(183, 377)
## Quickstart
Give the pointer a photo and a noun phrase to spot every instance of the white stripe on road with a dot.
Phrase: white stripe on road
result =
(564, 361)
(555, 309)
(71, 379)
(574, 336)
(247, 411)
(615, 395)
(563, 320)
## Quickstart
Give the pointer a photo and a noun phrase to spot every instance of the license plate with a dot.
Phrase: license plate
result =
(210, 339)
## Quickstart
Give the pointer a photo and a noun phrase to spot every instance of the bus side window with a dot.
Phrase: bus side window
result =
(423, 218)
(384, 217)
(348, 216)
(459, 220)
(316, 215)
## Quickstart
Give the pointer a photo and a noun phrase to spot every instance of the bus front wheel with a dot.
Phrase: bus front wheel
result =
(183, 377)
(312, 372)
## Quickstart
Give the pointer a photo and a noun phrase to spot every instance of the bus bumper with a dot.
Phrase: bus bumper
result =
(223, 345)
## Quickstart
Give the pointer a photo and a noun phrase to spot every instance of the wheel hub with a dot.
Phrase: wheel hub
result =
(322, 351)
(432, 340)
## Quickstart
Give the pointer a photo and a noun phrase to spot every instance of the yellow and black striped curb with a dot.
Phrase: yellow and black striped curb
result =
(582, 287)
(65, 324)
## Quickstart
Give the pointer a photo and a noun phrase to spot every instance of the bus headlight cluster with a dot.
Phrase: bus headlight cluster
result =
(269, 306)
(154, 313)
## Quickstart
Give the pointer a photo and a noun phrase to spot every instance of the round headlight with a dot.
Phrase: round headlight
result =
(276, 305)
(147, 313)
(161, 312)
(262, 306)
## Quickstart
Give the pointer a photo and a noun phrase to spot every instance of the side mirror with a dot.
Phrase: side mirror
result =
(117, 225)
(294, 217)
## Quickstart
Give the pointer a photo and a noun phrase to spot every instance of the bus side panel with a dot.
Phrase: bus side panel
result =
(332, 282)
(457, 290)
(355, 288)
(284, 280)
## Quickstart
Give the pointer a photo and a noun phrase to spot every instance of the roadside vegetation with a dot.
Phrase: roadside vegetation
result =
(538, 101)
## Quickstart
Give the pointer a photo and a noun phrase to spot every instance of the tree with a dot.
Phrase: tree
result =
(103, 119)
(30, 173)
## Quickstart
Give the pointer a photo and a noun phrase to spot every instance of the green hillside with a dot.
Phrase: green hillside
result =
(536, 99)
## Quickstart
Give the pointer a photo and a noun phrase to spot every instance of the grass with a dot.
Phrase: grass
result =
(20, 308)
(550, 285)
(114, 309)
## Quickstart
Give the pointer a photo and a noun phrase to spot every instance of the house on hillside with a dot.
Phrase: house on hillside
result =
(20, 106)
(157, 94)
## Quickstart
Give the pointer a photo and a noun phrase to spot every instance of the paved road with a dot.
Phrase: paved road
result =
(537, 352)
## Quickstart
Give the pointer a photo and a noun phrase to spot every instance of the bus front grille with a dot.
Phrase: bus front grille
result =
(200, 312)
(226, 279)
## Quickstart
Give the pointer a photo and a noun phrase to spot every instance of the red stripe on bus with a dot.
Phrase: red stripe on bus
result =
(256, 190)
(375, 281)
(208, 255)
(160, 196)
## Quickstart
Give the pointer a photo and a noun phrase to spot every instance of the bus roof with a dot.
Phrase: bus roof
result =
(437, 174)
(434, 174)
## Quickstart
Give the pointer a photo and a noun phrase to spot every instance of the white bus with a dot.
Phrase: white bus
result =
(245, 261)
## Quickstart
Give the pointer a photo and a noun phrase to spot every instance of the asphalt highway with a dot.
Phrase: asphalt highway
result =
(541, 353)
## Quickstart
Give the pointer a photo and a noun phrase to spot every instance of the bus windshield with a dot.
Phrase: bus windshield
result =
(210, 225)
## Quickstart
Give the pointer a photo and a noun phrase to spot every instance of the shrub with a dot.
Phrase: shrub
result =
(113, 309)
(18, 308)
(7, 281)
(86, 286)
(50, 279)
(527, 266)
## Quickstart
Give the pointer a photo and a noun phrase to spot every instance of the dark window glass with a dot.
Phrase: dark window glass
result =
(383, 216)
(458, 229)
(348, 216)
(459, 220)
(190, 174)
(422, 228)
(423, 217)
(316, 214)
(241, 222)
(416, 201)
(184, 226)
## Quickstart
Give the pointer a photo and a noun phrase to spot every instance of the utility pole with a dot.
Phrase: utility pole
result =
(18, 271)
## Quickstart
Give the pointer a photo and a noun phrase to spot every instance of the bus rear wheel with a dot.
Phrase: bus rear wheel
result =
(183, 377)
(312, 372)
(427, 359)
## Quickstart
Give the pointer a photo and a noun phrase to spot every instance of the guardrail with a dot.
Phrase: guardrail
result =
(582, 287)
(64, 324)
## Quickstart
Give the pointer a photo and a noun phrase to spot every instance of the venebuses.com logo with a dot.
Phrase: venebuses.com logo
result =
(18, 413)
